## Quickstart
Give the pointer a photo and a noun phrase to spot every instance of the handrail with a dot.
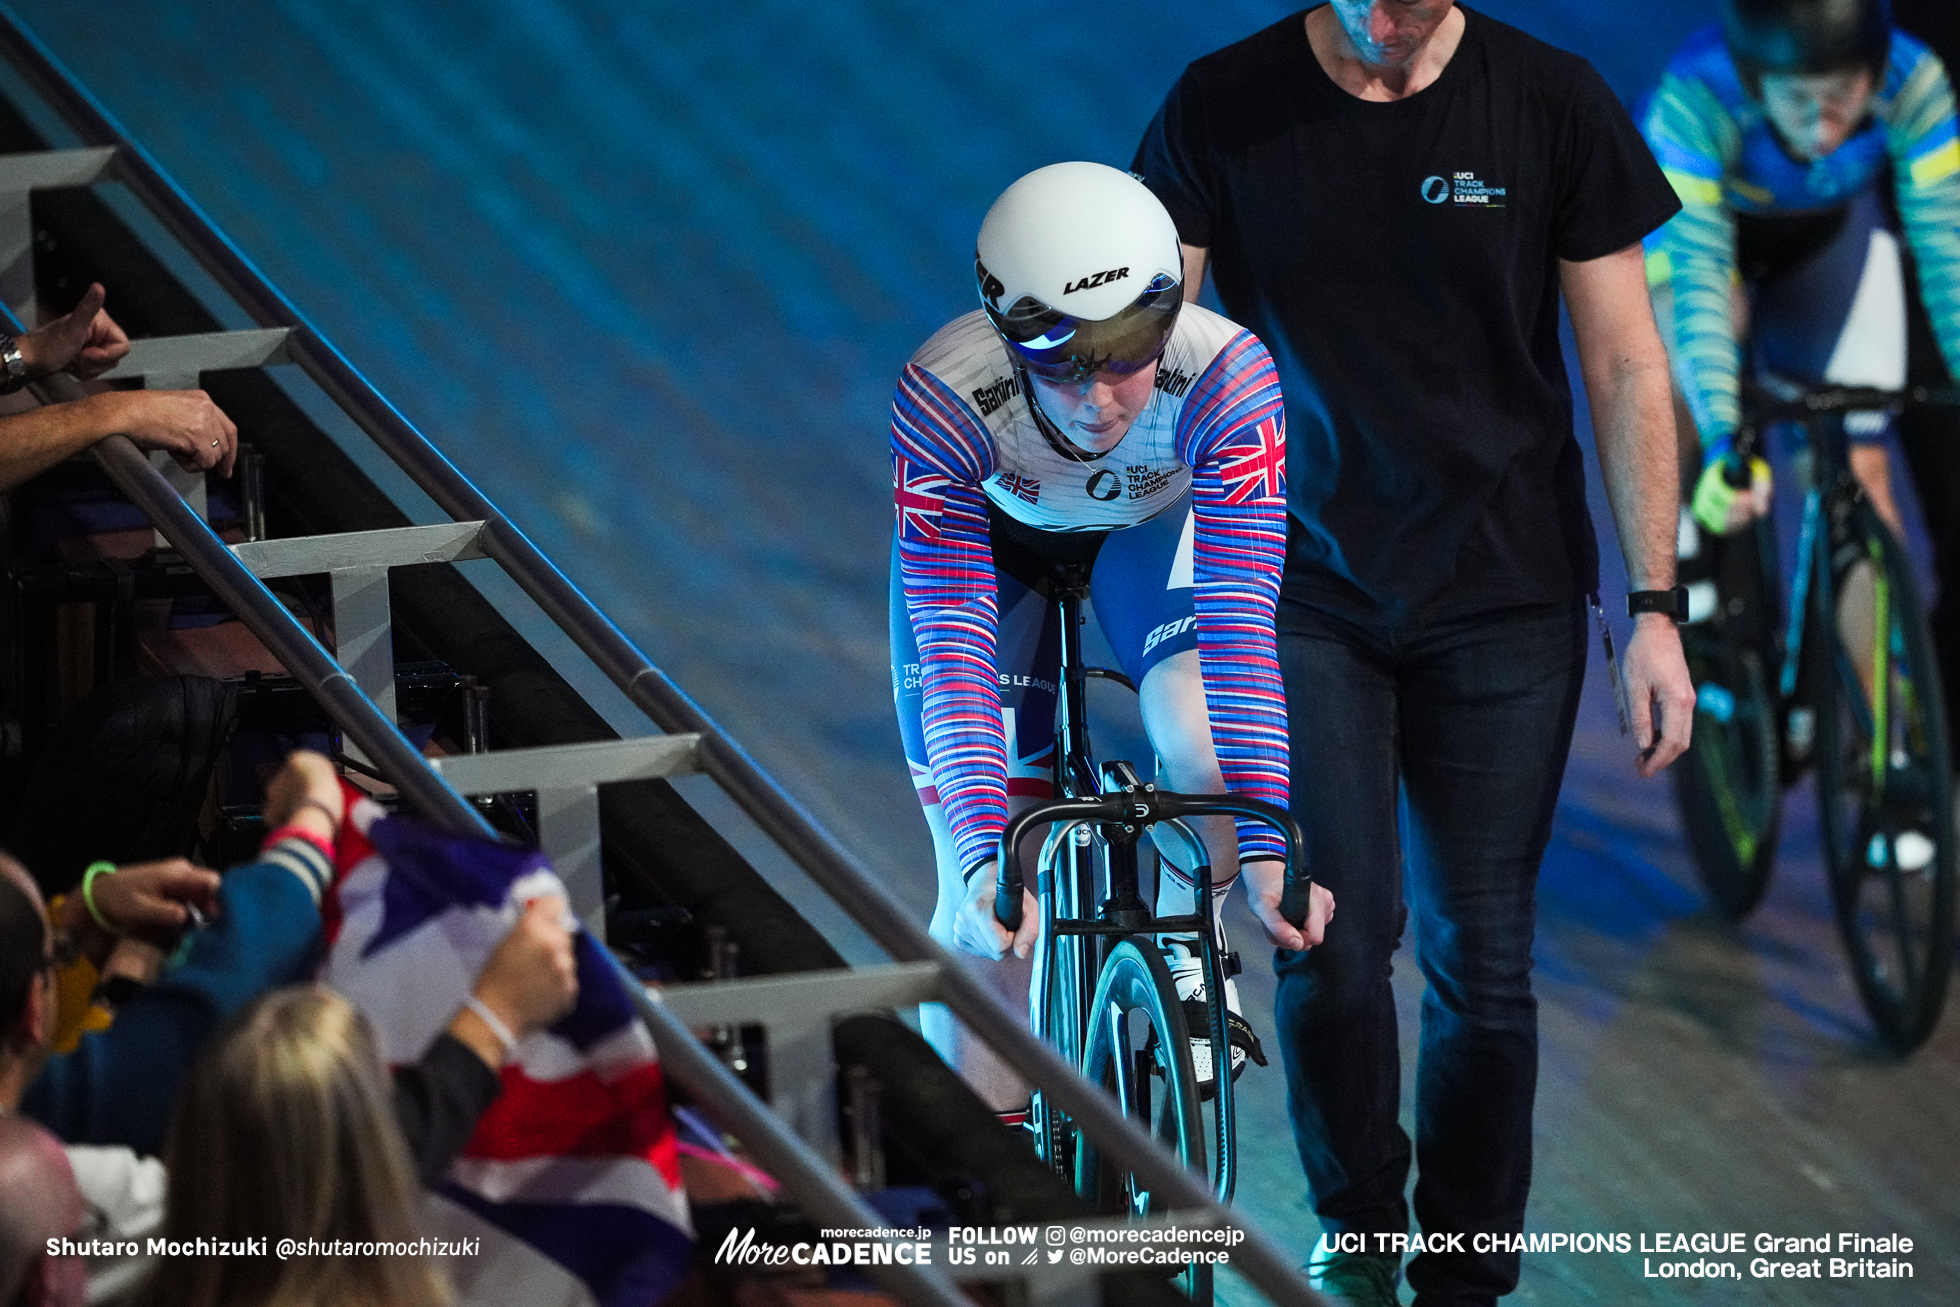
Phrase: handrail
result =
(649, 688)
(817, 1186)
(766, 802)
(786, 1155)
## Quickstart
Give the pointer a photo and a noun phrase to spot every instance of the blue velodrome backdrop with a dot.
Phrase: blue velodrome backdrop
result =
(648, 270)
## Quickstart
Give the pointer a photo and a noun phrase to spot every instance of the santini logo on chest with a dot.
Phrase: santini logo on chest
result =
(1101, 278)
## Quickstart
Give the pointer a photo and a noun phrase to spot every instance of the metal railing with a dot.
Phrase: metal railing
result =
(818, 1188)
(807, 1176)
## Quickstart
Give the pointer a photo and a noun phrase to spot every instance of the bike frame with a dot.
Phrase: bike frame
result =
(1112, 808)
(1837, 701)
(1827, 500)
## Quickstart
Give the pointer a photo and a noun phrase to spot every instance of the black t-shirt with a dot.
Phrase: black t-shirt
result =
(1399, 260)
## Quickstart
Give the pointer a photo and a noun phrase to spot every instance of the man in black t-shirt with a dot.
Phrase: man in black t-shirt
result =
(1392, 195)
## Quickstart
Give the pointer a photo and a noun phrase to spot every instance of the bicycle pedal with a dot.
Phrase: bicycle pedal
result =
(1231, 965)
(1243, 1044)
(1239, 1037)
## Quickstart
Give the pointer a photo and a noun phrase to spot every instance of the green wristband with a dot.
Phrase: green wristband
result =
(88, 893)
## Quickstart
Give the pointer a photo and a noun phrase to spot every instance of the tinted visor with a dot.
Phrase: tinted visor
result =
(1057, 347)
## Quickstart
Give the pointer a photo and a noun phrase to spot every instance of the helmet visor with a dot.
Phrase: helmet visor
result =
(1057, 347)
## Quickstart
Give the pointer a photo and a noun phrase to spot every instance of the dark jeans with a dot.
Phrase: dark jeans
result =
(1441, 742)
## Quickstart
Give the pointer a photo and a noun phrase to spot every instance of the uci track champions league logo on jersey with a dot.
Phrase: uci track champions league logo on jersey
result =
(1463, 188)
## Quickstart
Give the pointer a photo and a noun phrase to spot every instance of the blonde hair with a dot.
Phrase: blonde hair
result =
(286, 1128)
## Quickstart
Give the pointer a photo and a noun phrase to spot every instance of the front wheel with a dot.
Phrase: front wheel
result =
(1884, 777)
(1138, 1047)
(1729, 786)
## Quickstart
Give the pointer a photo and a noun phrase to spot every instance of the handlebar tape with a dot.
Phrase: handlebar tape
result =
(1007, 908)
(1294, 901)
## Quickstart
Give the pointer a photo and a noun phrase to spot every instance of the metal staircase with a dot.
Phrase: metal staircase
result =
(794, 1136)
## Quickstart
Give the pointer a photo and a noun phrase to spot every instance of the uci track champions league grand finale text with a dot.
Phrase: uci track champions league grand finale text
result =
(1676, 1255)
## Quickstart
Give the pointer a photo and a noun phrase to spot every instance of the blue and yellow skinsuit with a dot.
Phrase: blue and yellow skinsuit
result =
(1725, 160)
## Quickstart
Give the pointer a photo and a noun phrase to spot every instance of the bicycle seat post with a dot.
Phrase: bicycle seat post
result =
(1070, 587)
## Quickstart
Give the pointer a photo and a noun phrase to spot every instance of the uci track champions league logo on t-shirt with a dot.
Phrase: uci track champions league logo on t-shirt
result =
(1465, 189)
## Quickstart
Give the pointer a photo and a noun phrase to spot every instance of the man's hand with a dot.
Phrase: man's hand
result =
(183, 423)
(85, 341)
(144, 900)
(1265, 880)
(1633, 415)
(978, 931)
(1659, 692)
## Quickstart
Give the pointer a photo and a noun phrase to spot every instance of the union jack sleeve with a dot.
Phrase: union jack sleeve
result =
(1233, 434)
(940, 455)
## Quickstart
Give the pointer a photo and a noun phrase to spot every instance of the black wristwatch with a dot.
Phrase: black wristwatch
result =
(1672, 603)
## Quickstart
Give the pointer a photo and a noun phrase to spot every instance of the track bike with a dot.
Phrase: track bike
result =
(1101, 990)
(1849, 686)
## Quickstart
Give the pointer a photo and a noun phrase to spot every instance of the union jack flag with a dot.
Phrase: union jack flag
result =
(572, 1179)
(1249, 474)
(918, 497)
(1020, 487)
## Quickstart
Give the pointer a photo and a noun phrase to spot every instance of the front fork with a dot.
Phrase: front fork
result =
(1066, 967)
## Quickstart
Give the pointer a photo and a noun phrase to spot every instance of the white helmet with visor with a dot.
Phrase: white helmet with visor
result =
(1080, 272)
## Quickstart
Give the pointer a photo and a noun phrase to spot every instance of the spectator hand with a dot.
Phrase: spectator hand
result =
(531, 980)
(183, 423)
(146, 899)
(1265, 880)
(305, 775)
(1659, 692)
(85, 341)
(978, 931)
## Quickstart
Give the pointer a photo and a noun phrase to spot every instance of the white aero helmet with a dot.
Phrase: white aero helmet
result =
(1080, 271)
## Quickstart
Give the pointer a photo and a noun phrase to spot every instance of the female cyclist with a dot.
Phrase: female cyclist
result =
(1085, 413)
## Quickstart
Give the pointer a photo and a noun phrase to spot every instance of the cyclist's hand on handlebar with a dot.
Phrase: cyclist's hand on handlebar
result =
(1659, 692)
(1721, 508)
(976, 929)
(1265, 878)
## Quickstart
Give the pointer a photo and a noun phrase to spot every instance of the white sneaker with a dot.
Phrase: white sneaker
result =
(1188, 974)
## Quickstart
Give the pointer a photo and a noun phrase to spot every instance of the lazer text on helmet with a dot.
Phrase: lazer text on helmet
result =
(1101, 278)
